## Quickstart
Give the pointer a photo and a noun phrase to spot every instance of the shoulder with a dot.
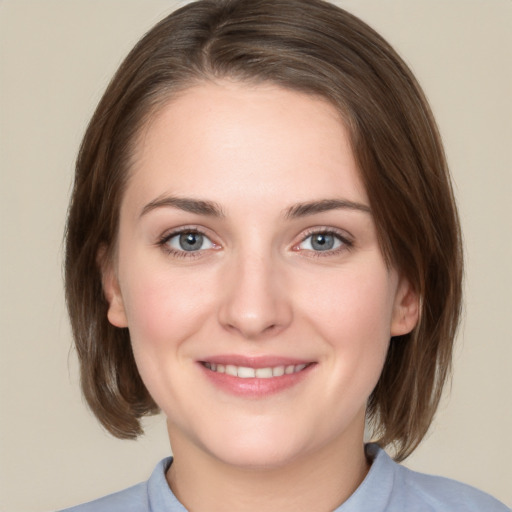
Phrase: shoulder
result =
(152, 495)
(129, 500)
(391, 487)
(439, 493)
(409, 490)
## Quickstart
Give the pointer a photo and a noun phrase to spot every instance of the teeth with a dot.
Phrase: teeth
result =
(231, 370)
(278, 371)
(264, 373)
(245, 372)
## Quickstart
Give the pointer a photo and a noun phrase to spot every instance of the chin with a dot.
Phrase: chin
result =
(260, 447)
(257, 457)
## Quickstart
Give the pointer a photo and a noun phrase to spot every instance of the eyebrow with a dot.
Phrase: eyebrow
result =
(212, 209)
(312, 207)
(197, 206)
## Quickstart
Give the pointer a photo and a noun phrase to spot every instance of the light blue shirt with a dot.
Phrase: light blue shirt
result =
(388, 487)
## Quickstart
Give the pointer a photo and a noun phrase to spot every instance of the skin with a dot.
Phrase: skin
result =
(255, 287)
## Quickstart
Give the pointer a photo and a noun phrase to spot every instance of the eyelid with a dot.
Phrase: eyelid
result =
(347, 241)
(175, 240)
(169, 234)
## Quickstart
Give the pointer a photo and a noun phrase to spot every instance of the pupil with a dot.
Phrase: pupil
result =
(191, 241)
(322, 242)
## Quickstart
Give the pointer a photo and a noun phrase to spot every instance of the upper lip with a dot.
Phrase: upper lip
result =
(263, 361)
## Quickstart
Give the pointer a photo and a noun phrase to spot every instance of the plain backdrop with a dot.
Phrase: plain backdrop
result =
(56, 57)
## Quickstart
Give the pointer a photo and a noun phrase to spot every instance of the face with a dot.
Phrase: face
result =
(250, 277)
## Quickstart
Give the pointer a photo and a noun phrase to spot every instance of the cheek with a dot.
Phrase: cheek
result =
(149, 309)
(353, 316)
(161, 307)
(163, 314)
(354, 302)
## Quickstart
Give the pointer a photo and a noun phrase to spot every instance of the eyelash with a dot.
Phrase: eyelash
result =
(346, 243)
(163, 242)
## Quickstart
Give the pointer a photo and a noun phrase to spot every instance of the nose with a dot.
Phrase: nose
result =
(255, 303)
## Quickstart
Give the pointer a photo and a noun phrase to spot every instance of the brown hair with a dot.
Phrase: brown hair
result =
(314, 47)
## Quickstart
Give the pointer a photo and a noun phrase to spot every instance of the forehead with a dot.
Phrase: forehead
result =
(224, 138)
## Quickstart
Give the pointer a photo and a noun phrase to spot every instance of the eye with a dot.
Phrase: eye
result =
(323, 241)
(189, 241)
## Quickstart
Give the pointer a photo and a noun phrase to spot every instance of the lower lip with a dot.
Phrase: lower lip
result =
(255, 387)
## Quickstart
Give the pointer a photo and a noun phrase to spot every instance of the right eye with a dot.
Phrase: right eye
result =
(188, 241)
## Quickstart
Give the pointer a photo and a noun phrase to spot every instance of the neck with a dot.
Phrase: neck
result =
(319, 481)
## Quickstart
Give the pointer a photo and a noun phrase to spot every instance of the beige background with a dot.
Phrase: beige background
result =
(55, 59)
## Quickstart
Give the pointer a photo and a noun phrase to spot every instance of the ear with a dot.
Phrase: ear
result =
(406, 309)
(116, 313)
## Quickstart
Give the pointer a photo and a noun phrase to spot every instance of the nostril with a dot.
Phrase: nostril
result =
(252, 330)
(253, 308)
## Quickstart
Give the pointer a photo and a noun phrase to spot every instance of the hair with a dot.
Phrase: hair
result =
(314, 47)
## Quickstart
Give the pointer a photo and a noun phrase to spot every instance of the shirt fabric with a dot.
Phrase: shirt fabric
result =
(388, 487)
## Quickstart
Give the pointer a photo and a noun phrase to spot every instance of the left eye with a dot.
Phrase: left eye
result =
(189, 241)
(321, 242)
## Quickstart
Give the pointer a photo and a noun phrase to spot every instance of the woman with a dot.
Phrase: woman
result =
(263, 244)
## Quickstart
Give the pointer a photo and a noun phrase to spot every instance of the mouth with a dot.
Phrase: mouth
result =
(246, 372)
(255, 378)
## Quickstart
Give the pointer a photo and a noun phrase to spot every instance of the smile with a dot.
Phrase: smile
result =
(244, 372)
